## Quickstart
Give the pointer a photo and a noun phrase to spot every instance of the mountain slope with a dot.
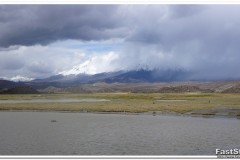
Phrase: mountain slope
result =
(120, 76)
(20, 90)
(5, 84)
(148, 76)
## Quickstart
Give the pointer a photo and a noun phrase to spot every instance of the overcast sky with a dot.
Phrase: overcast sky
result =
(38, 41)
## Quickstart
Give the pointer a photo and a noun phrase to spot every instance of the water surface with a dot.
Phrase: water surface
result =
(56, 133)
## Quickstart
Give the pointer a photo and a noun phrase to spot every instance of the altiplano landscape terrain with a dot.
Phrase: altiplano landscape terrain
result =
(119, 79)
(182, 98)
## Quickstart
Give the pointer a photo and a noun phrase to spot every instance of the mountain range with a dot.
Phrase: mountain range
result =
(132, 76)
(142, 80)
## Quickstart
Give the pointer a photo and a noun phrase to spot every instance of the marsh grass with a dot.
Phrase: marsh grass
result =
(130, 102)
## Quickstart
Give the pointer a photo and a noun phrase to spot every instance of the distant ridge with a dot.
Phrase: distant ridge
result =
(9, 87)
(5, 84)
(20, 90)
(183, 88)
(233, 89)
(135, 81)
(133, 76)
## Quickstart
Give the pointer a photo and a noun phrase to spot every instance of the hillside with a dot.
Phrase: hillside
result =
(233, 89)
(140, 81)
(170, 87)
(20, 90)
(5, 84)
(132, 76)
(183, 88)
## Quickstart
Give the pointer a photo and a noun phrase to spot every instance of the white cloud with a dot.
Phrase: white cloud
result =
(38, 61)
(43, 61)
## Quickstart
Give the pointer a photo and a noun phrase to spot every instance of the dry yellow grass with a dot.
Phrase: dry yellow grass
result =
(131, 102)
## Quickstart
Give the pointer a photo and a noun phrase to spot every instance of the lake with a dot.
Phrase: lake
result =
(60, 133)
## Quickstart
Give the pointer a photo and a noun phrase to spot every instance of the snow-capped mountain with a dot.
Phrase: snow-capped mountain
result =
(18, 79)
(133, 76)
(79, 69)
(94, 65)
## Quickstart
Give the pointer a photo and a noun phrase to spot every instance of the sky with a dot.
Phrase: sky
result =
(37, 41)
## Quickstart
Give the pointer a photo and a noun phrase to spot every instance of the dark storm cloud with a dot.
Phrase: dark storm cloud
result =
(42, 24)
(200, 39)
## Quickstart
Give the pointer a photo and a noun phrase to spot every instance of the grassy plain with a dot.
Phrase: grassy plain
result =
(194, 103)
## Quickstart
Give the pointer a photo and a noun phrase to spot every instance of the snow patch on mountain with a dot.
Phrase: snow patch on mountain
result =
(93, 65)
(18, 78)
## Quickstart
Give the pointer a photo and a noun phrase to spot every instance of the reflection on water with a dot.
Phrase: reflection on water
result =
(67, 100)
(33, 133)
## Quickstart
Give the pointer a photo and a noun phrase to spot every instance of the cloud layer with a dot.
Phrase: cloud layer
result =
(41, 40)
(43, 24)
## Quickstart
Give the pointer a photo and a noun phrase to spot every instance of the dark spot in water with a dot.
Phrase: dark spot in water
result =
(154, 113)
(53, 121)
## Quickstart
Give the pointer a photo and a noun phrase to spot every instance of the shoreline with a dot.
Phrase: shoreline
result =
(149, 113)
